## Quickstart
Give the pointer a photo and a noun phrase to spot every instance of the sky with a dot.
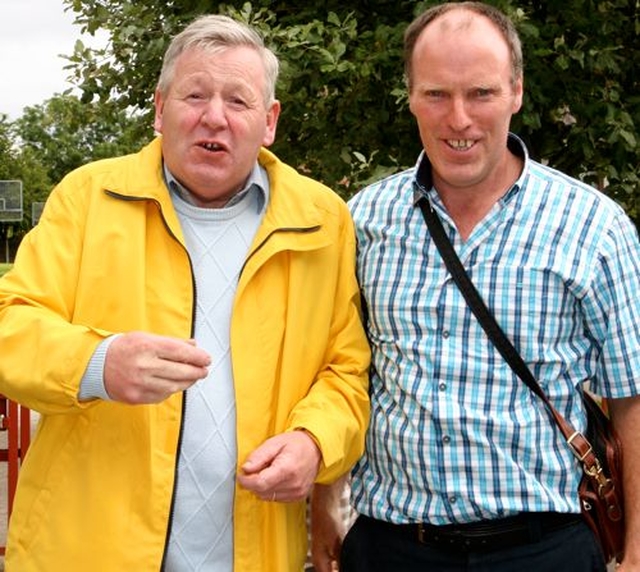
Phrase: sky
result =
(33, 34)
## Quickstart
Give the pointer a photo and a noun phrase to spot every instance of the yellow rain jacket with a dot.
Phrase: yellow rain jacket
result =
(95, 491)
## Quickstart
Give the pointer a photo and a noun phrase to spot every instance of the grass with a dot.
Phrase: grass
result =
(4, 267)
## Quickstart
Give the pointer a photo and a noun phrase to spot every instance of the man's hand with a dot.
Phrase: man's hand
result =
(146, 368)
(283, 468)
(328, 524)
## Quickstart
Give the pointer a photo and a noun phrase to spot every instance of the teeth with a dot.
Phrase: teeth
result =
(460, 143)
(211, 146)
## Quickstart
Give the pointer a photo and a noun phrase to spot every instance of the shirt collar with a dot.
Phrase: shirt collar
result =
(423, 186)
(257, 183)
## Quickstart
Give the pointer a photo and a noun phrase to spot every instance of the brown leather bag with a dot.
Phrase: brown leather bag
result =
(600, 490)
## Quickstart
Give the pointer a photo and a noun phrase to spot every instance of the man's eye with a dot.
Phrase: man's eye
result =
(195, 95)
(483, 92)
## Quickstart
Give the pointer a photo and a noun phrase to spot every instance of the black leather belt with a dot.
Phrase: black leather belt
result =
(486, 535)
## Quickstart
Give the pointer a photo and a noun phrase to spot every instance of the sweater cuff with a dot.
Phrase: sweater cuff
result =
(92, 382)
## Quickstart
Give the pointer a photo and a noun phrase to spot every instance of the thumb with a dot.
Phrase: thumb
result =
(261, 457)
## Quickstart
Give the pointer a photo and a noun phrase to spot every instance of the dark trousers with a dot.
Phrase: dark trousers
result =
(376, 546)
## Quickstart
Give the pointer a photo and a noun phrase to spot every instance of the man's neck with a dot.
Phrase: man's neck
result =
(469, 205)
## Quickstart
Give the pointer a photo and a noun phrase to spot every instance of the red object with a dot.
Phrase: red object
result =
(15, 420)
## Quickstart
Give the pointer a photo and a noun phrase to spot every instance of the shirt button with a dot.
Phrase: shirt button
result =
(442, 386)
(446, 439)
(453, 500)
(445, 334)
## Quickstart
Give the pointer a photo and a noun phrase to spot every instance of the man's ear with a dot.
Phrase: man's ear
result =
(158, 102)
(518, 90)
(272, 122)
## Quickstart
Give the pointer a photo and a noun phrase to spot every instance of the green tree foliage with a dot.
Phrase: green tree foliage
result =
(345, 118)
(55, 137)
(582, 111)
(7, 150)
(66, 133)
(23, 165)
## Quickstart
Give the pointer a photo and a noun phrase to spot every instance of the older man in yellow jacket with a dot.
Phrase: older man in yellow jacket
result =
(186, 320)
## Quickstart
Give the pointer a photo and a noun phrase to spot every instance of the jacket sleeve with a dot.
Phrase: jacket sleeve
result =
(43, 353)
(336, 410)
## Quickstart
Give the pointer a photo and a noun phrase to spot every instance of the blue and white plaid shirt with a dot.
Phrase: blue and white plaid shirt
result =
(455, 436)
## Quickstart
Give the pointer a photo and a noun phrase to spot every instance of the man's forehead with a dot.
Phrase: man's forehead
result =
(458, 19)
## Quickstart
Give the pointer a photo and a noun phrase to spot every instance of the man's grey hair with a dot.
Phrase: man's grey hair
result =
(217, 32)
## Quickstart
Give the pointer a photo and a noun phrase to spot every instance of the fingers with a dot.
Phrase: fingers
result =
(283, 468)
(325, 551)
(173, 350)
(325, 564)
(262, 458)
(325, 558)
(260, 476)
(146, 368)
